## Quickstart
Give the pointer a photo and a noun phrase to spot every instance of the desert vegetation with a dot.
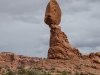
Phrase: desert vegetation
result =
(23, 70)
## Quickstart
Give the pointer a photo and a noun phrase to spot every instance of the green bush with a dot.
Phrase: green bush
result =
(0, 67)
(53, 68)
(31, 73)
(21, 71)
(77, 73)
(46, 74)
(64, 73)
(9, 73)
(21, 67)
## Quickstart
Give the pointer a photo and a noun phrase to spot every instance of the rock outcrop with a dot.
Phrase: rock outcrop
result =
(95, 57)
(13, 59)
(59, 44)
(8, 57)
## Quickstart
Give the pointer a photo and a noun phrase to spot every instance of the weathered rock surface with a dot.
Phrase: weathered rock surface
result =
(53, 13)
(8, 57)
(95, 57)
(59, 45)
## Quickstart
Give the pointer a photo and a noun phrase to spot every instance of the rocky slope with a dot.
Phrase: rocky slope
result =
(86, 64)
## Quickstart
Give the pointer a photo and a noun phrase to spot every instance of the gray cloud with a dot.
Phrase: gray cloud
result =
(96, 15)
(21, 6)
(92, 1)
(45, 39)
(78, 6)
(3, 44)
(27, 19)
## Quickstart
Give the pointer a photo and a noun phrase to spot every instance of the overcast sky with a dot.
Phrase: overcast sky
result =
(23, 31)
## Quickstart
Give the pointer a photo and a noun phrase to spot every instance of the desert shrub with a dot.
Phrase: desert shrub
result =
(58, 71)
(34, 72)
(67, 58)
(6, 66)
(77, 67)
(0, 67)
(8, 69)
(39, 68)
(53, 68)
(21, 71)
(83, 74)
(46, 74)
(9, 73)
(77, 73)
(65, 73)
(21, 67)
(31, 72)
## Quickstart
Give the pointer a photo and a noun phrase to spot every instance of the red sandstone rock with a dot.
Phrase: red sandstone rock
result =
(1, 59)
(59, 45)
(8, 56)
(53, 13)
(95, 57)
(13, 59)
(97, 53)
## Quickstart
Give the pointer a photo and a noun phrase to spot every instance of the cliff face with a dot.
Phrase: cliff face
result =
(59, 44)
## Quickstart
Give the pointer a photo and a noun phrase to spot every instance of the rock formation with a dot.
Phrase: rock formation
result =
(8, 57)
(59, 44)
(53, 13)
(95, 57)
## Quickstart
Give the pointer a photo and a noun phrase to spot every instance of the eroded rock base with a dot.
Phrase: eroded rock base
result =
(59, 45)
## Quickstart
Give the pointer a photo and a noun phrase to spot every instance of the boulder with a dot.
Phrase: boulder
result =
(53, 13)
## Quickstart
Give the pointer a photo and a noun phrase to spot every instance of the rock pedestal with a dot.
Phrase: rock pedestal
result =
(59, 44)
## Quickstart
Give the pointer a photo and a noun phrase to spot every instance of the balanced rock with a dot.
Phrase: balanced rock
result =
(59, 44)
(53, 13)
